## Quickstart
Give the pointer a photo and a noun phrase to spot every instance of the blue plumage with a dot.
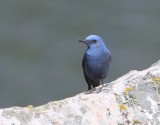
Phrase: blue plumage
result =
(96, 61)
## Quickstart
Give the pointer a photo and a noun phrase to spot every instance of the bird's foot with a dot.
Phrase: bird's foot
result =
(101, 88)
(90, 91)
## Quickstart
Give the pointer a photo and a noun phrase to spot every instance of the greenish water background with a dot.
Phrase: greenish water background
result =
(40, 58)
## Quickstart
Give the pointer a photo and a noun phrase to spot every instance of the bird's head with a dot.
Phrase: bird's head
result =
(93, 41)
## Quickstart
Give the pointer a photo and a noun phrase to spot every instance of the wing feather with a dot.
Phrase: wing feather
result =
(88, 80)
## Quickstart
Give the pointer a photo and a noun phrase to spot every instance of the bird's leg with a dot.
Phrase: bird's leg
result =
(102, 86)
(90, 89)
(102, 81)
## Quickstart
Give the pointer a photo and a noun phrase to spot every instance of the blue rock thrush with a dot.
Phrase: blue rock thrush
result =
(96, 61)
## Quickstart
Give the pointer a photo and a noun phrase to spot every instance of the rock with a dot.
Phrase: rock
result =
(133, 99)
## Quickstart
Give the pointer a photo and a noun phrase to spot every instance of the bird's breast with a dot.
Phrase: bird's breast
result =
(97, 65)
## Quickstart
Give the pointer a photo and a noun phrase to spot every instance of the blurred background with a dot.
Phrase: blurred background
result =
(40, 58)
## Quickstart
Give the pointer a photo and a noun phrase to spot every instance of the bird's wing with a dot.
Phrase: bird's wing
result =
(83, 66)
(89, 82)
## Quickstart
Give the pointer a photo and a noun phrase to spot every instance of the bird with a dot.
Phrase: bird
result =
(96, 61)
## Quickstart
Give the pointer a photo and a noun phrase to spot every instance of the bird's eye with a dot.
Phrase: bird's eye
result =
(94, 41)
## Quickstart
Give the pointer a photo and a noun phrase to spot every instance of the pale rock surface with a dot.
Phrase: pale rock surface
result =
(133, 99)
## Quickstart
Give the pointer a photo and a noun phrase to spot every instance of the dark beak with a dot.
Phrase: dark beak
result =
(82, 41)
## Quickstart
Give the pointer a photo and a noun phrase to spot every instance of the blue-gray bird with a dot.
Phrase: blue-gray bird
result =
(96, 61)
